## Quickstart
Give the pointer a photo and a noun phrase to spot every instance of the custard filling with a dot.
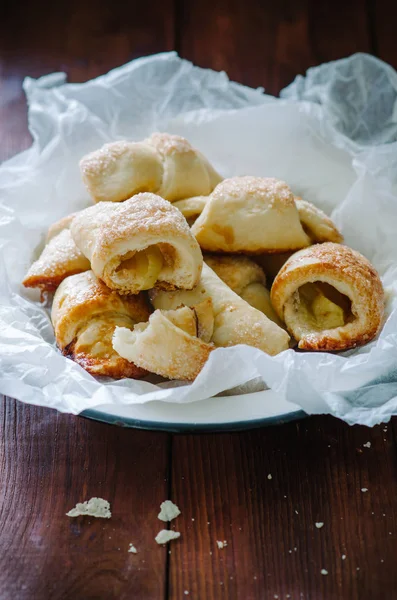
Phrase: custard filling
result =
(323, 306)
(142, 267)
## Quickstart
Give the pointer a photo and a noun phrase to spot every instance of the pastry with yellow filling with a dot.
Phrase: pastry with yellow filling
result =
(235, 321)
(246, 279)
(252, 215)
(191, 208)
(169, 344)
(164, 164)
(330, 297)
(85, 313)
(138, 244)
(59, 258)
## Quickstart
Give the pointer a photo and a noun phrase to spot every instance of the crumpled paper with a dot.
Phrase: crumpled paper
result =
(332, 136)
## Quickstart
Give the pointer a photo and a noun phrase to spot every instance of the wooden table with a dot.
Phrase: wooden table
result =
(221, 482)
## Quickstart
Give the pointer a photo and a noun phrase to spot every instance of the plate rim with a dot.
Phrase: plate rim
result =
(169, 427)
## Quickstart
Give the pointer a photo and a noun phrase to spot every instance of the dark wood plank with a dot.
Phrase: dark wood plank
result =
(268, 43)
(48, 462)
(84, 39)
(318, 468)
(384, 23)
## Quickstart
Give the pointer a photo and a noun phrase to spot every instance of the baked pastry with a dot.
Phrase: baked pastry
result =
(246, 279)
(252, 215)
(317, 225)
(84, 315)
(168, 345)
(138, 244)
(330, 297)
(164, 164)
(191, 208)
(59, 258)
(236, 322)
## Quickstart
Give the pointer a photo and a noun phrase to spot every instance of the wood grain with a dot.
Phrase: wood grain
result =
(84, 39)
(318, 468)
(268, 43)
(383, 15)
(48, 463)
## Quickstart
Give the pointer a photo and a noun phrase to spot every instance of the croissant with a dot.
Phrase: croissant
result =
(84, 315)
(251, 215)
(330, 297)
(246, 279)
(59, 258)
(164, 164)
(138, 244)
(167, 345)
(236, 322)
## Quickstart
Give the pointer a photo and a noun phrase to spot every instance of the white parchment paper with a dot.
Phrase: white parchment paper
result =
(332, 137)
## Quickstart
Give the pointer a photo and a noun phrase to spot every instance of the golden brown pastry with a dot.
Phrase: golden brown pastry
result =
(138, 244)
(246, 279)
(168, 345)
(191, 208)
(330, 297)
(84, 314)
(59, 259)
(236, 322)
(252, 215)
(317, 225)
(164, 164)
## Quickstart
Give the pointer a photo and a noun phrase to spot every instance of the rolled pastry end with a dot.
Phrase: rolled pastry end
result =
(139, 244)
(84, 315)
(118, 170)
(330, 297)
(316, 224)
(167, 345)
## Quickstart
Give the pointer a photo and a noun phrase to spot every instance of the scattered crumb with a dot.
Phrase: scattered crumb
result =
(96, 507)
(357, 568)
(221, 544)
(132, 549)
(166, 535)
(290, 551)
(364, 489)
(285, 496)
(296, 512)
(208, 523)
(384, 514)
(324, 572)
(186, 592)
(389, 532)
(192, 519)
(275, 596)
(319, 525)
(269, 476)
(168, 511)
(288, 596)
(381, 560)
(343, 556)
(367, 445)
(295, 549)
(210, 553)
(169, 551)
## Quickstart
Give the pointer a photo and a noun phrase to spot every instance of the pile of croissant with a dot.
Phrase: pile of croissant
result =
(172, 261)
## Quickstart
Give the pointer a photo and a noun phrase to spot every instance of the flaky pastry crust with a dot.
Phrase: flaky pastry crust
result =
(252, 215)
(85, 313)
(113, 235)
(236, 322)
(59, 258)
(359, 292)
(167, 345)
(163, 164)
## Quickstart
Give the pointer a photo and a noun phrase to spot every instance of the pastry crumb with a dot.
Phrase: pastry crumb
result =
(364, 489)
(324, 572)
(221, 544)
(96, 507)
(319, 525)
(168, 511)
(269, 476)
(367, 445)
(343, 556)
(132, 549)
(166, 535)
